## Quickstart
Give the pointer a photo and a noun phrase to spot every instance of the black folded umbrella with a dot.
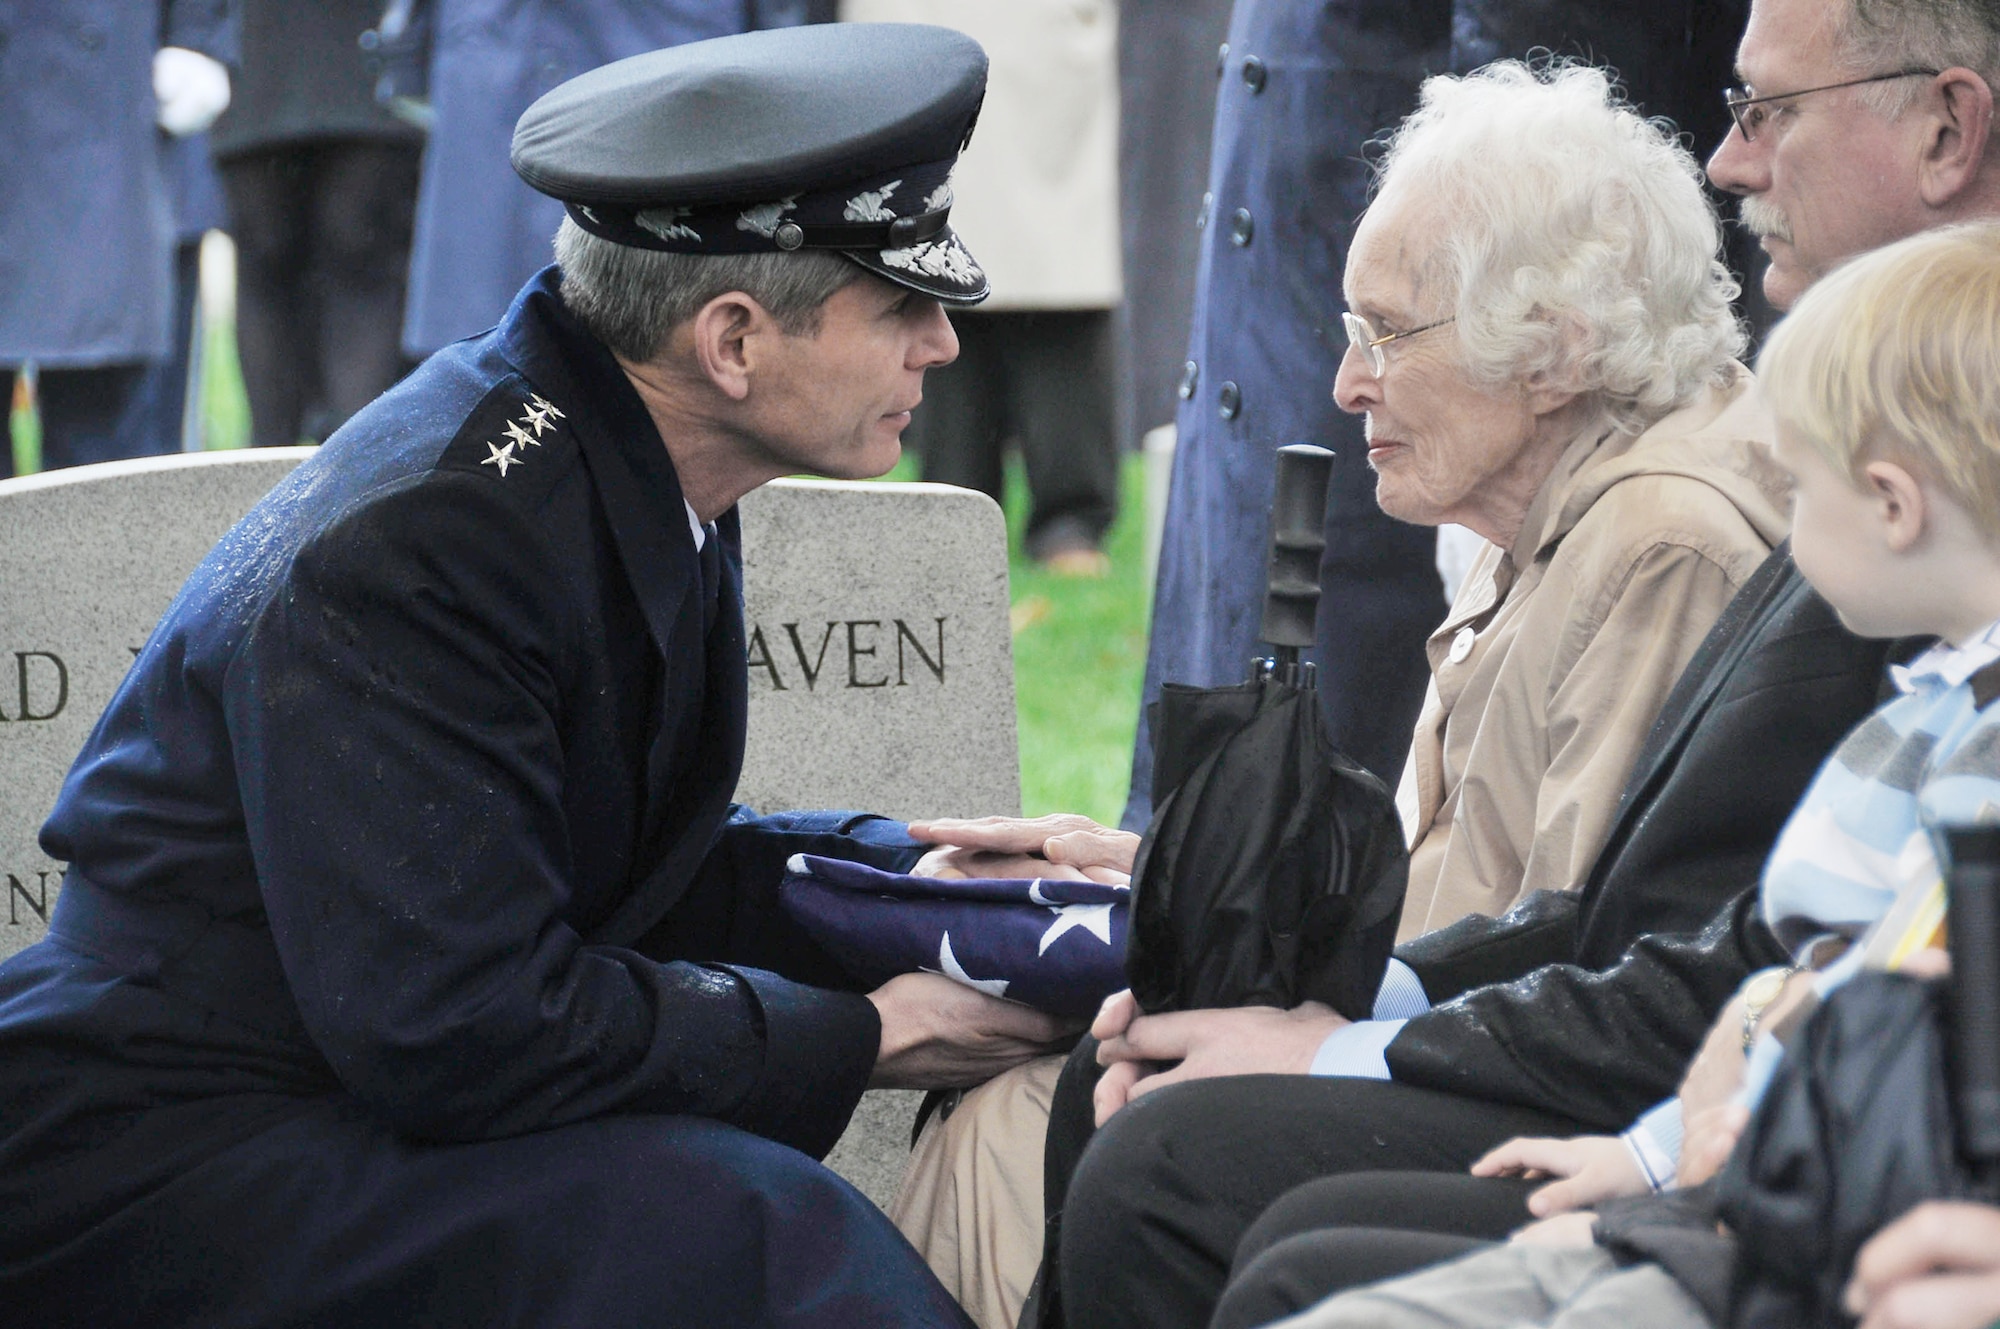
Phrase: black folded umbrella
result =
(1274, 868)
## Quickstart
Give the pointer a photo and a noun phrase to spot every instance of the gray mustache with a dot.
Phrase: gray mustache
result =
(1764, 219)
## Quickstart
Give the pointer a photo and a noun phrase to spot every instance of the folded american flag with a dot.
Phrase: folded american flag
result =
(1058, 946)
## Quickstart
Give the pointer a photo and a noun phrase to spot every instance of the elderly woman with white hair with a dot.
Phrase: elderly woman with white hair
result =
(1540, 335)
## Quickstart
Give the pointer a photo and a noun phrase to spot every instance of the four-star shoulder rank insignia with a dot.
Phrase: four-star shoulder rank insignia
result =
(522, 434)
(502, 457)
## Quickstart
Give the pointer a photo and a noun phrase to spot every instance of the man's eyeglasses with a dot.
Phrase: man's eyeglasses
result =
(1362, 337)
(1746, 107)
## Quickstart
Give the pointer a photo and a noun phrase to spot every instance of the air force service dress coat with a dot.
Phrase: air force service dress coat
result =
(87, 236)
(1303, 87)
(412, 965)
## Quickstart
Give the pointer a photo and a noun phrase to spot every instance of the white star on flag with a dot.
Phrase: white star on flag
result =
(949, 966)
(502, 457)
(1094, 918)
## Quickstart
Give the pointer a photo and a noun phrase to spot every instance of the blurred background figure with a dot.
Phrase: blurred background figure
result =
(1301, 87)
(87, 231)
(322, 186)
(1166, 98)
(167, 398)
(1037, 195)
(480, 232)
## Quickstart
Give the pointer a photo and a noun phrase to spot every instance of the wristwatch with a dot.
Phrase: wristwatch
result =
(1759, 991)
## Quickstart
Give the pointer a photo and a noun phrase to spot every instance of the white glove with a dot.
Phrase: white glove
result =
(192, 89)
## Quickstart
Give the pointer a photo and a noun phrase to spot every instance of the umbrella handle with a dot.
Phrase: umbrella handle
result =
(1298, 538)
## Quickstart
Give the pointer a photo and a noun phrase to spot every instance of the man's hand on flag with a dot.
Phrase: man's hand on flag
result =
(938, 1034)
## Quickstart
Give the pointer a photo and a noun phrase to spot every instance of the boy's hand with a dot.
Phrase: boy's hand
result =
(1590, 1168)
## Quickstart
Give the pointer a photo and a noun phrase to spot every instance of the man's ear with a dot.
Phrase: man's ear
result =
(1959, 108)
(725, 332)
(1899, 502)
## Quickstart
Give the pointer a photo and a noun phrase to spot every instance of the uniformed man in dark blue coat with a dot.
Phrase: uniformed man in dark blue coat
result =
(412, 966)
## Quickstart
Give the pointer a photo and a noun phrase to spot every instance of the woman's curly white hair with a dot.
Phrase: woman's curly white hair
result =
(1575, 233)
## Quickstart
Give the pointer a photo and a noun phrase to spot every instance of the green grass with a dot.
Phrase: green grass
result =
(228, 410)
(1079, 659)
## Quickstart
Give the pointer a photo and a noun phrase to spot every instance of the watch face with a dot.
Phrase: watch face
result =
(1763, 988)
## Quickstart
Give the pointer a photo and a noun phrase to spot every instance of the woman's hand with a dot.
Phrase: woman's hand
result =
(1061, 845)
(1590, 1169)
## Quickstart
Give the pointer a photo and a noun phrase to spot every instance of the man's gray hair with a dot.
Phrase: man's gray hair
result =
(1881, 36)
(1574, 235)
(632, 298)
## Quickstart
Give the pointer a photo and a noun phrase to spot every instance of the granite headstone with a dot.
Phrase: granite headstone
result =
(881, 669)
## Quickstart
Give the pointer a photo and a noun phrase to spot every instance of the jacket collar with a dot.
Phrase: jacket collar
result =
(629, 467)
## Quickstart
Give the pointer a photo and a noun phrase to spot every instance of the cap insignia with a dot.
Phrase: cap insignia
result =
(763, 219)
(945, 258)
(867, 205)
(666, 223)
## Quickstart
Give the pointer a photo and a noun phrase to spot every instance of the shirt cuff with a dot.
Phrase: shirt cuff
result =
(1655, 1142)
(1401, 996)
(1358, 1050)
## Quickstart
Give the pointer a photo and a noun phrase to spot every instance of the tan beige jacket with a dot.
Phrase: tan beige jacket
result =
(1558, 652)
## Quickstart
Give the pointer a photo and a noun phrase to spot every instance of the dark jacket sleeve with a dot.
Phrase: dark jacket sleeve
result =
(1477, 950)
(395, 716)
(1597, 1046)
(732, 911)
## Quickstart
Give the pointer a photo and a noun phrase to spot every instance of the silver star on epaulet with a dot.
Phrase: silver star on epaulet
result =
(540, 410)
(501, 457)
(517, 433)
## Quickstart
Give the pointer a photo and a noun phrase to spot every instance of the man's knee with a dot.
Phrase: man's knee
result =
(1130, 1162)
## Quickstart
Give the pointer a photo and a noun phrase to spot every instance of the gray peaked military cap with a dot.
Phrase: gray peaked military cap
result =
(836, 136)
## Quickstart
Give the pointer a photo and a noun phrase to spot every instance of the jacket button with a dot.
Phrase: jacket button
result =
(1461, 646)
(1229, 401)
(1207, 206)
(1253, 73)
(1190, 378)
(1241, 227)
(1221, 59)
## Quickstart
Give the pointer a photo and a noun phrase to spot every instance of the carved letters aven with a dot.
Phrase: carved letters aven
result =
(867, 662)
